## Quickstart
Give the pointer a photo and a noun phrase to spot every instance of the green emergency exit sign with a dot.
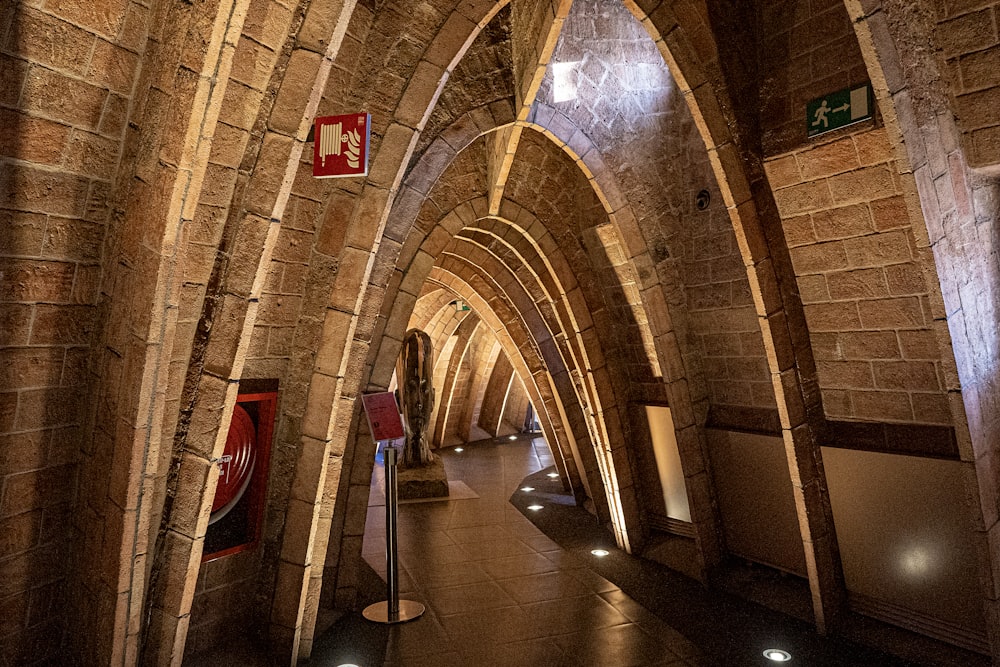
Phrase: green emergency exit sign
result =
(840, 109)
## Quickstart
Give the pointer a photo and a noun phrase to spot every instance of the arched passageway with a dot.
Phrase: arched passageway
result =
(658, 255)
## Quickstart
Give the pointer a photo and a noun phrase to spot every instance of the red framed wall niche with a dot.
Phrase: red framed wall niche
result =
(241, 527)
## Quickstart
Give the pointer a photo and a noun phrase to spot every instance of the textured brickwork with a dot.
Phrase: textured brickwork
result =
(969, 37)
(483, 77)
(631, 109)
(859, 274)
(496, 388)
(806, 50)
(162, 240)
(62, 114)
(955, 202)
(223, 601)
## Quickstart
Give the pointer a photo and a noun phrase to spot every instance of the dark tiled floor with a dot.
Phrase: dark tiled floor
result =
(500, 592)
(503, 590)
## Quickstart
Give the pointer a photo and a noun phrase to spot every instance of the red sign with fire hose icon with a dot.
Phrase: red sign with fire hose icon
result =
(340, 145)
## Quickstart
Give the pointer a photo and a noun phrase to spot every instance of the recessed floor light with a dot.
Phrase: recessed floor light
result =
(534, 508)
(600, 553)
(526, 489)
(459, 450)
(777, 655)
(553, 475)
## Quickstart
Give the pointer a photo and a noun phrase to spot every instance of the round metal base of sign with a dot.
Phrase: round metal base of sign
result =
(379, 612)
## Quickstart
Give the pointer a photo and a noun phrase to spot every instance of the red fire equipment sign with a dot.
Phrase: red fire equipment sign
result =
(340, 145)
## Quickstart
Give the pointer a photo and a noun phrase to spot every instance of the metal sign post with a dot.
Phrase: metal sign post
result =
(393, 610)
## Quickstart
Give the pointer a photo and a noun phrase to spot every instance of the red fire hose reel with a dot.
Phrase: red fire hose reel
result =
(236, 465)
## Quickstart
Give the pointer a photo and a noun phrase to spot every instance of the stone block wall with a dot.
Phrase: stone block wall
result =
(224, 602)
(861, 281)
(515, 409)
(856, 259)
(969, 33)
(806, 49)
(66, 74)
(632, 110)
(496, 388)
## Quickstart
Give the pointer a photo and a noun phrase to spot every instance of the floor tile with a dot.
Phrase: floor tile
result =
(539, 542)
(538, 652)
(621, 645)
(468, 598)
(592, 580)
(501, 625)
(447, 659)
(447, 575)
(518, 566)
(568, 615)
(422, 555)
(541, 587)
(501, 593)
(478, 534)
(493, 549)
(420, 637)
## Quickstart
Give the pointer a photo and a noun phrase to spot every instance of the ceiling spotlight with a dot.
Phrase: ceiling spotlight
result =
(600, 553)
(553, 475)
(777, 655)
(512, 437)
(534, 508)
(459, 450)
(527, 489)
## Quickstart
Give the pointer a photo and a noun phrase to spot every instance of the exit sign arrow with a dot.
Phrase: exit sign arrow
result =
(840, 109)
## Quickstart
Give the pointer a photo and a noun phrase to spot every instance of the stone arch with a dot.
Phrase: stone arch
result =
(419, 261)
(660, 323)
(564, 376)
(689, 49)
(464, 335)
(243, 234)
(178, 97)
(412, 282)
(330, 398)
(650, 299)
(942, 194)
(527, 366)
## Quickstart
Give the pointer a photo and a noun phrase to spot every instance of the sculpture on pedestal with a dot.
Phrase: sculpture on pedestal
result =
(414, 375)
(422, 473)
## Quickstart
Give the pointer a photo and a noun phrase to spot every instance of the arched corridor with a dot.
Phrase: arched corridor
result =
(737, 259)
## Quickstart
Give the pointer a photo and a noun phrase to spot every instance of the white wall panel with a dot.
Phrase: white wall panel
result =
(755, 498)
(903, 528)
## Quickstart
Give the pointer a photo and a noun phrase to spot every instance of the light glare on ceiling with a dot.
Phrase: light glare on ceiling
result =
(534, 508)
(459, 450)
(564, 81)
(600, 553)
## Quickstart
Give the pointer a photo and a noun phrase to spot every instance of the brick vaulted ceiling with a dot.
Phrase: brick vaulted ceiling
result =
(622, 193)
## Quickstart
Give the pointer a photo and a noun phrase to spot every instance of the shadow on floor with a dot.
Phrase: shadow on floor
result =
(730, 630)
(556, 616)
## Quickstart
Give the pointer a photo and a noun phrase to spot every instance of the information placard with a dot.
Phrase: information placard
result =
(383, 416)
